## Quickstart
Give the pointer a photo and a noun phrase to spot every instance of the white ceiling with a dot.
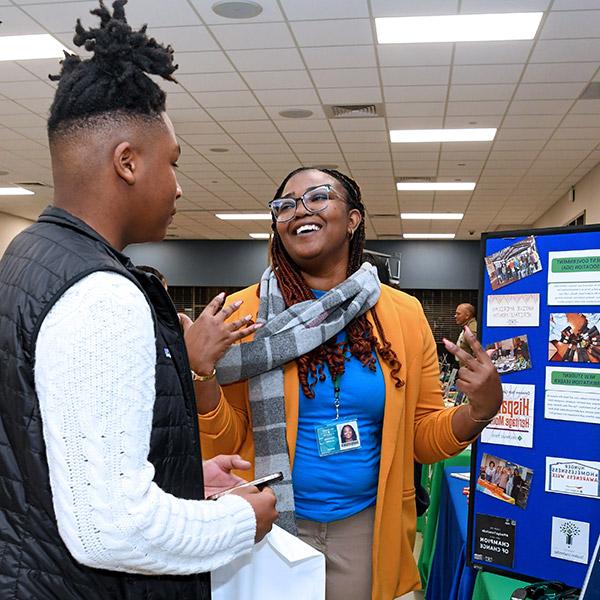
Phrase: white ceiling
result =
(236, 76)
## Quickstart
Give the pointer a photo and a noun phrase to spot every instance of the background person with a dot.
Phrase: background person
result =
(465, 317)
(384, 363)
(103, 482)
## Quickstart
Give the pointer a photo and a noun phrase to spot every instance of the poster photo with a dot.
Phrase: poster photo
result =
(513, 425)
(573, 476)
(504, 480)
(572, 394)
(509, 355)
(574, 337)
(515, 262)
(494, 540)
(574, 277)
(570, 540)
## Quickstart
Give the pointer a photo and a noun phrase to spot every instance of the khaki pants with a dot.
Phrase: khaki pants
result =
(347, 546)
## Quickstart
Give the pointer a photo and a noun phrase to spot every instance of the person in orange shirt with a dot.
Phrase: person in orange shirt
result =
(375, 368)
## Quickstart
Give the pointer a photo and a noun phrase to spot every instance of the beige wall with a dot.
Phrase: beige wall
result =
(9, 227)
(587, 197)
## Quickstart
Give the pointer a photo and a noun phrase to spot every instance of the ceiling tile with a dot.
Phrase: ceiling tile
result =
(474, 74)
(282, 97)
(317, 9)
(211, 82)
(238, 113)
(548, 91)
(330, 33)
(502, 6)
(421, 93)
(482, 92)
(253, 36)
(339, 57)
(555, 51)
(559, 72)
(478, 53)
(539, 107)
(225, 99)
(467, 108)
(56, 17)
(11, 71)
(415, 75)
(394, 8)
(370, 124)
(571, 24)
(274, 80)
(202, 62)
(415, 109)
(365, 95)
(339, 78)
(185, 39)
(27, 89)
(266, 60)
(404, 55)
(157, 13)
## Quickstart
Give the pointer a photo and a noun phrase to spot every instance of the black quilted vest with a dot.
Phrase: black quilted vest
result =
(40, 264)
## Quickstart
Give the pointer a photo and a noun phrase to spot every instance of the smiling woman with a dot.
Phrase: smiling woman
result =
(339, 355)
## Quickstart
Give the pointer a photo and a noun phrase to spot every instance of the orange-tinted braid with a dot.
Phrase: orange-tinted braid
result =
(360, 338)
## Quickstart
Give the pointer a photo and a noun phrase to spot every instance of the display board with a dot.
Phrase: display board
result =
(535, 495)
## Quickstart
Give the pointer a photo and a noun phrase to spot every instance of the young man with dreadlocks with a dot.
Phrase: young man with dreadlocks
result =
(338, 349)
(102, 482)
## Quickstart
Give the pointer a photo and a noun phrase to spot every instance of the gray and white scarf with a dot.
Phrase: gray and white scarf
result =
(287, 334)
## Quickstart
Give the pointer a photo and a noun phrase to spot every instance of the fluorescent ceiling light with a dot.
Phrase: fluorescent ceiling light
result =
(431, 236)
(244, 216)
(411, 136)
(451, 186)
(458, 28)
(433, 216)
(15, 191)
(260, 236)
(25, 47)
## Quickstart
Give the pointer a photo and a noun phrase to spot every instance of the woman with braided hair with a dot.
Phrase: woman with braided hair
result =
(338, 348)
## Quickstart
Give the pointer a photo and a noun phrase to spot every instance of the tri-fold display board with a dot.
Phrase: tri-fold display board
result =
(534, 508)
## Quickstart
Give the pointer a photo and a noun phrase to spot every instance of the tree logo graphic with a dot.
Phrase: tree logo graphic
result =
(570, 530)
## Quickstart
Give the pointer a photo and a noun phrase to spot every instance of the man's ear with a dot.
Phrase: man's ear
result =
(125, 162)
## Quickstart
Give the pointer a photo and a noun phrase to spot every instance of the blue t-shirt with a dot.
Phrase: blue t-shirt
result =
(337, 486)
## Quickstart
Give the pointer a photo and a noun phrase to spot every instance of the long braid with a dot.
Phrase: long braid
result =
(361, 340)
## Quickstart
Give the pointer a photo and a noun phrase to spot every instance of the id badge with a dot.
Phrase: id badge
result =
(338, 436)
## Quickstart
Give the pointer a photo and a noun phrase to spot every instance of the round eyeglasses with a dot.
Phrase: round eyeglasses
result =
(314, 200)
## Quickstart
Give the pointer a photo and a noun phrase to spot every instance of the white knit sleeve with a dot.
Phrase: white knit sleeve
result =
(94, 377)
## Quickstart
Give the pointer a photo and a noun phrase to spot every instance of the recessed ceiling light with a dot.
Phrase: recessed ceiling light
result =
(237, 10)
(433, 216)
(26, 47)
(411, 136)
(243, 216)
(260, 236)
(458, 28)
(429, 236)
(451, 186)
(219, 149)
(296, 113)
(15, 191)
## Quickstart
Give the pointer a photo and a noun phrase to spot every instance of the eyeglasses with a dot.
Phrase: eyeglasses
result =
(314, 200)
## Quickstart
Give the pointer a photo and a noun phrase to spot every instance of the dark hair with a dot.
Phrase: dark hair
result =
(114, 81)
(153, 271)
(361, 341)
(354, 436)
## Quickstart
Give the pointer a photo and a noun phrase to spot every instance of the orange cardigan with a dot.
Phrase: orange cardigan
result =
(415, 426)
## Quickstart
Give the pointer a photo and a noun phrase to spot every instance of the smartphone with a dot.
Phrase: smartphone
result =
(260, 483)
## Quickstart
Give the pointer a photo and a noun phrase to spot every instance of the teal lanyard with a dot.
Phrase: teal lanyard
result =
(336, 396)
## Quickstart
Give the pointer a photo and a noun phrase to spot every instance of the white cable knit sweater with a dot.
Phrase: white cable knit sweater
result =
(94, 376)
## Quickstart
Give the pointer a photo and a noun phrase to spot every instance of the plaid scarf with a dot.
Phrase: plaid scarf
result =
(287, 334)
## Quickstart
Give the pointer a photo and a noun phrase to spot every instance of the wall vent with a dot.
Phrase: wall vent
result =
(353, 111)
(415, 179)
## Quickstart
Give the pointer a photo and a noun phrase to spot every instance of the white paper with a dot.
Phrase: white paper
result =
(513, 426)
(572, 476)
(574, 277)
(572, 394)
(513, 310)
(570, 540)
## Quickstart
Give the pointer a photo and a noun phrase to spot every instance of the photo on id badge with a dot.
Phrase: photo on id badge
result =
(348, 434)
